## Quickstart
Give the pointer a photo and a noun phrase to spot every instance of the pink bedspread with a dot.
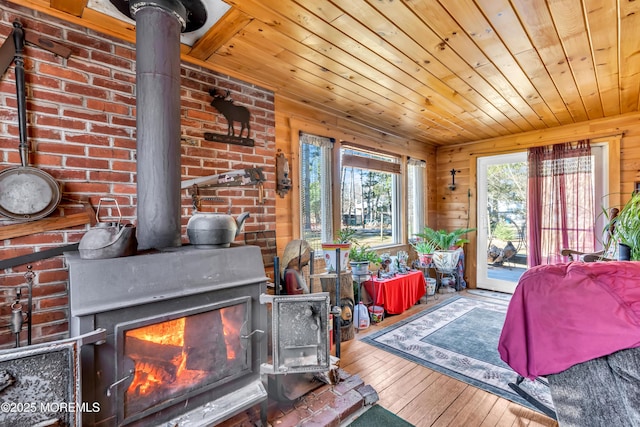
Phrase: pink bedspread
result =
(565, 314)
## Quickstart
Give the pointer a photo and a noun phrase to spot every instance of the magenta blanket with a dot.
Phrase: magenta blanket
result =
(565, 314)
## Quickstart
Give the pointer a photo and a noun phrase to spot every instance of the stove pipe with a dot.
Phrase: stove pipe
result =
(158, 27)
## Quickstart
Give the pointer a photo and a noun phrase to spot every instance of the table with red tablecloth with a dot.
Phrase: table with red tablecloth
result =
(399, 293)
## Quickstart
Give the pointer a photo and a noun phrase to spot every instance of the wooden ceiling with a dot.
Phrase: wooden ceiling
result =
(437, 72)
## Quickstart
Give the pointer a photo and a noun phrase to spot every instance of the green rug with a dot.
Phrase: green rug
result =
(377, 416)
(459, 338)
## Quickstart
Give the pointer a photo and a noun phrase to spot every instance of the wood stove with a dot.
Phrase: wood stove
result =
(185, 335)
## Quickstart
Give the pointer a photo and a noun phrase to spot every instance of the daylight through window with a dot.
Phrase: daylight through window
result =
(370, 196)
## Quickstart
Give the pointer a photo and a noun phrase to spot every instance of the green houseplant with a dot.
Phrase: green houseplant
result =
(626, 227)
(444, 240)
(444, 258)
(424, 248)
(360, 256)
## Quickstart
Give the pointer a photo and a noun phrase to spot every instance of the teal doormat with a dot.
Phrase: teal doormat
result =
(377, 416)
(459, 338)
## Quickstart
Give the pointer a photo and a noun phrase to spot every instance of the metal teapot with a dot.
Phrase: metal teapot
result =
(214, 230)
(108, 239)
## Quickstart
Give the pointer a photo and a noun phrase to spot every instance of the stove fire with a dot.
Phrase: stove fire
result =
(175, 356)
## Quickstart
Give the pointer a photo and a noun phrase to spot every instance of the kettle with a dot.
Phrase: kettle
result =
(214, 230)
(108, 239)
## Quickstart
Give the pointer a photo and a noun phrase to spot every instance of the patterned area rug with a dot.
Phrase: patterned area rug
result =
(459, 338)
(490, 294)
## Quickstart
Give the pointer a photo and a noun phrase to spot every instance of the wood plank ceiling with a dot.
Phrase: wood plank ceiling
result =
(436, 72)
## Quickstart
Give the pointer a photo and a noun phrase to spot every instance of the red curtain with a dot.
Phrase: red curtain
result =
(560, 201)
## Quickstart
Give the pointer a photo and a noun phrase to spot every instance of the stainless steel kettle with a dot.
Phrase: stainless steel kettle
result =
(108, 239)
(214, 230)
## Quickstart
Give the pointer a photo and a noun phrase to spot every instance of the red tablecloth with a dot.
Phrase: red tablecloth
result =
(399, 293)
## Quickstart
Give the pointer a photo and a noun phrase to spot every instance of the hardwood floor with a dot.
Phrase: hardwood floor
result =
(425, 397)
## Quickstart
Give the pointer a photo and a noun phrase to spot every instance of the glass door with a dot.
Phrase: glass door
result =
(502, 215)
(502, 221)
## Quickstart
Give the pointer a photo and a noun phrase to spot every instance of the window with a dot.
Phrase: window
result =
(415, 196)
(315, 190)
(370, 196)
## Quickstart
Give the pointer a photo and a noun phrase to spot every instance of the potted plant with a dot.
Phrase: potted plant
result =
(626, 229)
(424, 248)
(360, 256)
(444, 257)
(343, 241)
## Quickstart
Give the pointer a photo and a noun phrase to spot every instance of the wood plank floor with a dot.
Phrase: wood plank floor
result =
(425, 397)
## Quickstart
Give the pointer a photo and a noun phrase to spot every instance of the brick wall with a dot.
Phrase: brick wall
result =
(81, 128)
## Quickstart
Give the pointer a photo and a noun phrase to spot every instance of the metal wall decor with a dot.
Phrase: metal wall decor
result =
(232, 113)
(283, 184)
(453, 173)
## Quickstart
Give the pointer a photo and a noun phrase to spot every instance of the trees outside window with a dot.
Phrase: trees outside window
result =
(315, 190)
(370, 201)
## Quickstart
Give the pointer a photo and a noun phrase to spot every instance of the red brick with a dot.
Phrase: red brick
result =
(86, 163)
(327, 417)
(86, 115)
(348, 404)
(106, 106)
(109, 176)
(41, 290)
(292, 419)
(53, 302)
(87, 139)
(54, 332)
(59, 122)
(38, 238)
(52, 276)
(57, 97)
(124, 166)
(40, 317)
(109, 130)
(88, 67)
(106, 58)
(348, 384)
(63, 73)
(57, 148)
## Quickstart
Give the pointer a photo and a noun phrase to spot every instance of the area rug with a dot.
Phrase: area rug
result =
(490, 294)
(459, 338)
(377, 416)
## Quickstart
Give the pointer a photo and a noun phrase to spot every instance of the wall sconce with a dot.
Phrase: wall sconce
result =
(283, 184)
(453, 173)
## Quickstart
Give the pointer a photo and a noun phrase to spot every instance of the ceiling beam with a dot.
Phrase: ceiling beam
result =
(220, 33)
(73, 7)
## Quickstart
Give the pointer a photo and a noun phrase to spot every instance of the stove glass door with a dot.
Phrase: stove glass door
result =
(168, 360)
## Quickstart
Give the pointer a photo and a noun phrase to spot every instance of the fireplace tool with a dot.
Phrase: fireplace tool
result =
(18, 315)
